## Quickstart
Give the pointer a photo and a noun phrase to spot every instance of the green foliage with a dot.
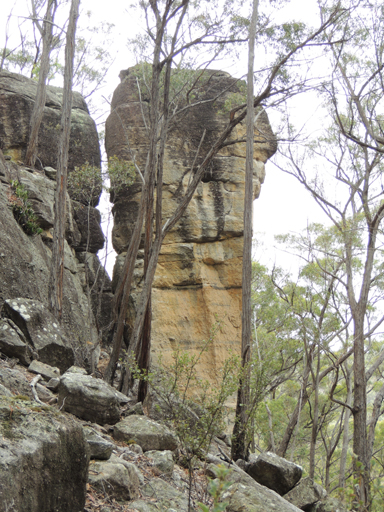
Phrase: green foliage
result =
(22, 209)
(235, 99)
(121, 173)
(92, 57)
(21, 61)
(84, 183)
(216, 489)
(196, 408)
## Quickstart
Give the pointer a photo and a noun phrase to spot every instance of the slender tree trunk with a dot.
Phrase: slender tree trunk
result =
(38, 107)
(270, 425)
(57, 263)
(360, 445)
(145, 353)
(123, 291)
(376, 413)
(315, 420)
(344, 450)
(303, 399)
(241, 438)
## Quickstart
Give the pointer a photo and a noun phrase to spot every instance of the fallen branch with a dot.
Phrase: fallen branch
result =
(33, 383)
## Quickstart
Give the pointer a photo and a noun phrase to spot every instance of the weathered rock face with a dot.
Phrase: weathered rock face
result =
(146, 433)
(274, 472)
(24, 273)
(305, 494)
(42, 332)
(88, 398)
(17, 95)
(198, 279)
(43, 459)
(25, 260)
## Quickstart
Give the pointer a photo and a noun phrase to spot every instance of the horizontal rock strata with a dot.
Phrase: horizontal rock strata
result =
(198, 279)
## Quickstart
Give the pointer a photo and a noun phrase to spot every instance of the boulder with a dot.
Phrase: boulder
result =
(42, 331)
(99, 448)
(88, 398)
(53, 384)
(13, 342)
(136, 409)
(43, 459)
(46, 371)
(235, 476)
(17, 96)
(255, 498)
(88, 220)
(305, 493)
(116, 480)
(121, 460)
(146, 433)
(329, 504)
(17, 383)
(162, 461)
(166, 497)
(274, 472)
(76, 369)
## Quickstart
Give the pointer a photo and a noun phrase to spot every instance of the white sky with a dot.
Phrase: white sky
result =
(283, 206)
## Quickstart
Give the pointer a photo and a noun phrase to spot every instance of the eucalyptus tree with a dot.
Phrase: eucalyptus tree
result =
(45, 25)
(301, 340)
(24, 41)
(57, 264)
(239, 438)
(343, 170)
(173, 30)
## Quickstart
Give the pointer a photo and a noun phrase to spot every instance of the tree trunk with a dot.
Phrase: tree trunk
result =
(57, 263)
(38, 108)
(315, 420)
(303, 399)
(360, 448)
(344, 450)
(241, 438)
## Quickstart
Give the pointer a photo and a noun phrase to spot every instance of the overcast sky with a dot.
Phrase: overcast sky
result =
(283, 205)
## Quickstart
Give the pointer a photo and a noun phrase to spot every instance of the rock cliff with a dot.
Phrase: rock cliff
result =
(25, 259)
(17, 96)
(198, 279)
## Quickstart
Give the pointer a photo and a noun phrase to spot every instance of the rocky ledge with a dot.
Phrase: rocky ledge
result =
(73, 443)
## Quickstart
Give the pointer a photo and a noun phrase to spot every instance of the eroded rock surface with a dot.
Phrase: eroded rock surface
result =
(198, 278)
(25, 260)
(42, 332)
(146, 433)
(274, 472)
(17, 96)
(88, 398)
(306, 493)
(43, 459)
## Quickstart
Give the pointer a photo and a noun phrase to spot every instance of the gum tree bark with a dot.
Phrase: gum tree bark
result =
(57, 263)
(240, 438)
(46, 31)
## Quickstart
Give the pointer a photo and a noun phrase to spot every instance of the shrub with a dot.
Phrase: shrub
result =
(22, 209)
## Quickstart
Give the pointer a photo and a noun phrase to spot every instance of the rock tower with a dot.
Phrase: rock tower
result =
(198, 278)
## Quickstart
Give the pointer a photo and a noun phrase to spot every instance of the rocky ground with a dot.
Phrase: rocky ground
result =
(71, 442)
